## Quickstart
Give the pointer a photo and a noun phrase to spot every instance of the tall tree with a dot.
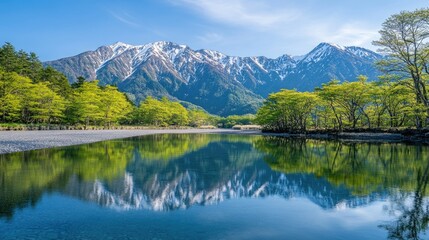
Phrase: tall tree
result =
(79, 82)
(287, 110)
(198, 118)
(179, 114)
(15, 90)
(154, 112)
(58, 82)
(86, 102)
(348, 101)
(404, 38)
(46, 106)
(24, 64)
(114, 105)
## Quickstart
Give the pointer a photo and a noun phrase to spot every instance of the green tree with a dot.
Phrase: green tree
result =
(114, 105)
(58, 82)
(399, 102)
(24, 64)
(14, 92)
(287, 110)
(198, 118)
(46, 106)
(86, 102)
(179, 114)
(230, 121)
(79, 82)
(348, 101)
(404, 38)
(153, 112)
(161, 113)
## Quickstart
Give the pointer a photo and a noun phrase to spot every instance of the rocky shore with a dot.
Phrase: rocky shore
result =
(16, 141)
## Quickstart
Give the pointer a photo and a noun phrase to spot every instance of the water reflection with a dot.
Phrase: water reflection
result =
(412, 212)
(168, 172)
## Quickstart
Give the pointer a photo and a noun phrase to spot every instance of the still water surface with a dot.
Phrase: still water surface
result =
(216, 187)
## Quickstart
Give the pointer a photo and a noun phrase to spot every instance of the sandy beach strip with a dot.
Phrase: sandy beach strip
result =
(17, 141)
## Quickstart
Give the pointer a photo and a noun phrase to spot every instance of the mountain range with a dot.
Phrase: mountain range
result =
(219, 83)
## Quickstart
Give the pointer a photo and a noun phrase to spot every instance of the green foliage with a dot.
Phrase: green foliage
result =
(230, 121)
(79, 82)
(287, 110)
(30, 93)
(86, 101)
(57, 81)
(94, 104)
(198, 118)
(14, 89)
(161, 113)
(404, 38)
(347, 101)
(24, 64)
(46, 106)
(114, 105)
(400, 99)
(347, 105)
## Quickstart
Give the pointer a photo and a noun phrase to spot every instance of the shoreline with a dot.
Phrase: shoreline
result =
(19, 141)
(357, 137)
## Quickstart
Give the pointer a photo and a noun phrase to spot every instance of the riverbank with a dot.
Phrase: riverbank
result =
(17, 141)
(415, 136)
(45, 127)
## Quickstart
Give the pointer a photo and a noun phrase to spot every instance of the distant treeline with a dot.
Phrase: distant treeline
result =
(400, 98)
(33, 94)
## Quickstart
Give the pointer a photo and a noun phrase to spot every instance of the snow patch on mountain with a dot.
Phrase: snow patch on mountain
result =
(184, 60)
(321, 51)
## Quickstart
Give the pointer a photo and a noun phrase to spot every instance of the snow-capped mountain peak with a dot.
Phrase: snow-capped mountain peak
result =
(321, 51)
(237, 84)
(363, 53)
(334, 45)
(120, 47)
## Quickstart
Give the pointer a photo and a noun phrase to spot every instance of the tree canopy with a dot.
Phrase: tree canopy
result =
(405, 40)
(340, 106)
(30, 93)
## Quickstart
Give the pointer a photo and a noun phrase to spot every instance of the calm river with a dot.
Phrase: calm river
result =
(208, 186)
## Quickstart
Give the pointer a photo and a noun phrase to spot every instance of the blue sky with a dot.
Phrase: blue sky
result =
(61, 28)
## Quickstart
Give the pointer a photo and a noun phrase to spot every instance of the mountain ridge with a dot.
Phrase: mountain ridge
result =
(219, 83)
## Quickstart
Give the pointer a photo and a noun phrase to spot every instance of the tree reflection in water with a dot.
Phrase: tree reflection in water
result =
(413, 217)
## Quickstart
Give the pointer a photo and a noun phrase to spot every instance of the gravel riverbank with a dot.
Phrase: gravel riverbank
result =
(16, 141)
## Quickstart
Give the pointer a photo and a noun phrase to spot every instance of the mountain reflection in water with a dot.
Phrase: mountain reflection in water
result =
(169, 172)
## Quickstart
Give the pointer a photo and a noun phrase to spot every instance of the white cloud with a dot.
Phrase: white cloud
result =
(240, 12)
(294, 26)
(124, 18)
(350, 34)
(347, 34)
